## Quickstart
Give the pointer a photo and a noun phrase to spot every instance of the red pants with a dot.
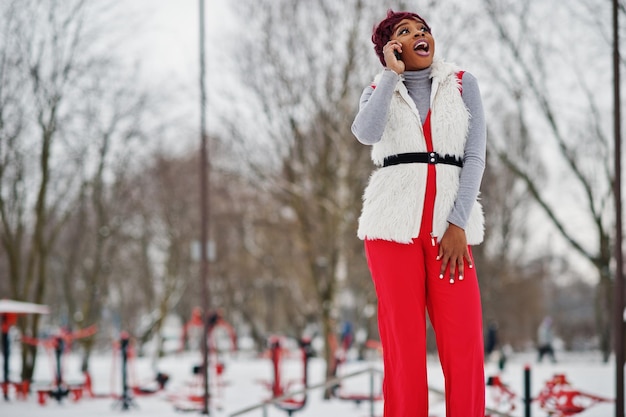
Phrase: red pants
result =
(406, 277)
(407, 283)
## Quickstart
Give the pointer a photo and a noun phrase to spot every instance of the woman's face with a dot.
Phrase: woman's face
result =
(418, 44)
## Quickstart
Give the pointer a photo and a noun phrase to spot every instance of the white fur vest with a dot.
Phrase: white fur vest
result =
(394, 198)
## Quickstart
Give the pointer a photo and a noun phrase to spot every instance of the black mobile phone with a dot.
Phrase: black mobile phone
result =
(397, 54)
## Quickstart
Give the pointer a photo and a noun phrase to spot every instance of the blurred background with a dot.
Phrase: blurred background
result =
(100, 156)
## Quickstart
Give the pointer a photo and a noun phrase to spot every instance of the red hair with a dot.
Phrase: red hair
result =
(383, 31)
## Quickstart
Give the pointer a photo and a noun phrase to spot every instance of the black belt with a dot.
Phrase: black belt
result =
(423, 157)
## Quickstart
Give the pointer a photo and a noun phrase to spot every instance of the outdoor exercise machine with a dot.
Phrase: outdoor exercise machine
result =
(124, 349)
(57, 345)
(126, 399)
(557, 397)
(10, 310)
(216, 322)
(560, 399)
(504, 398)
(339, 358)
(279, 386)
(192, 397)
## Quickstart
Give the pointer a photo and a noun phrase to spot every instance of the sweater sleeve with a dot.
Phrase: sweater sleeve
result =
(474, 154)
(369, 123)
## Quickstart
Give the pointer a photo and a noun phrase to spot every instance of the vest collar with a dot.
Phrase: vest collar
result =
(440, 70)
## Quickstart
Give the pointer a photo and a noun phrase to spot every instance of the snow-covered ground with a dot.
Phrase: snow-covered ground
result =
(245, 377)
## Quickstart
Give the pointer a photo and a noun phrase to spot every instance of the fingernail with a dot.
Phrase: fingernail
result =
(451, 280)
(460, 277)
(471, 265)
(440, 276)
(438, 257)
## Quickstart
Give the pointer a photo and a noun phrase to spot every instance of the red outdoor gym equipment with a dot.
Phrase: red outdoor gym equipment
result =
(58, 345)
(278, 386)
(192, 398)
(560, 399)
(557, 398)
(340, 351)
(503, 398)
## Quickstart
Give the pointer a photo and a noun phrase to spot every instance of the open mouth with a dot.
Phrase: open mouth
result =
(422, 47)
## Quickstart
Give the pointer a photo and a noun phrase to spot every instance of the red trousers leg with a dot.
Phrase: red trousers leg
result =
(397, 272)
(456, 315)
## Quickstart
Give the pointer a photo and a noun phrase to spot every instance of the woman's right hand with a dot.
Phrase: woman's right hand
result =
(392, 62)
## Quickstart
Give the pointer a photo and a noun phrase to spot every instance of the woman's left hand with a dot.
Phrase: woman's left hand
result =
(453, 251)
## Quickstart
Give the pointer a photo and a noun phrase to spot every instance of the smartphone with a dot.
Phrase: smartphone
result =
(397, 54)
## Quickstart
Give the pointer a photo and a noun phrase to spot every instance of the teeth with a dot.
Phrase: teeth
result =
(422, 44)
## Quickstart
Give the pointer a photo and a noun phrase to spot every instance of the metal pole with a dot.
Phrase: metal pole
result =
(527, 392)
(4, 322)
(619, 275)
(124, 349)
(371, 392)
(204, 214)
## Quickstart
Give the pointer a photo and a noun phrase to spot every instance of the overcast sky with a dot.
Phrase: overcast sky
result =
(167, 36)
(161, 39)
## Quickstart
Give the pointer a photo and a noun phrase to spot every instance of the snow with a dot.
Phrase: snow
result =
(246, 377)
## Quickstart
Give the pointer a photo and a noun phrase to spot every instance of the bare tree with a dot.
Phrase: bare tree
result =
(50, 64)
(111, 118)
(58, 155)
(307, 92)
(569, 127)
(159, 257)
(511, 275)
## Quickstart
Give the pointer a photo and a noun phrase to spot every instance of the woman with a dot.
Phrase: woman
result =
(424, 120)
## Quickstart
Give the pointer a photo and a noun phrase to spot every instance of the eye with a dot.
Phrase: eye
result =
(424, 29)
(403, 31)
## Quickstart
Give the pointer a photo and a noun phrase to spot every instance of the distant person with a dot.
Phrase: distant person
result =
(347, 335)
(545, 338)
(492, 344)
(492, 338)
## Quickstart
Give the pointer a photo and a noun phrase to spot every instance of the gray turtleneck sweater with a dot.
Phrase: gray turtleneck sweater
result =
(370, 121)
